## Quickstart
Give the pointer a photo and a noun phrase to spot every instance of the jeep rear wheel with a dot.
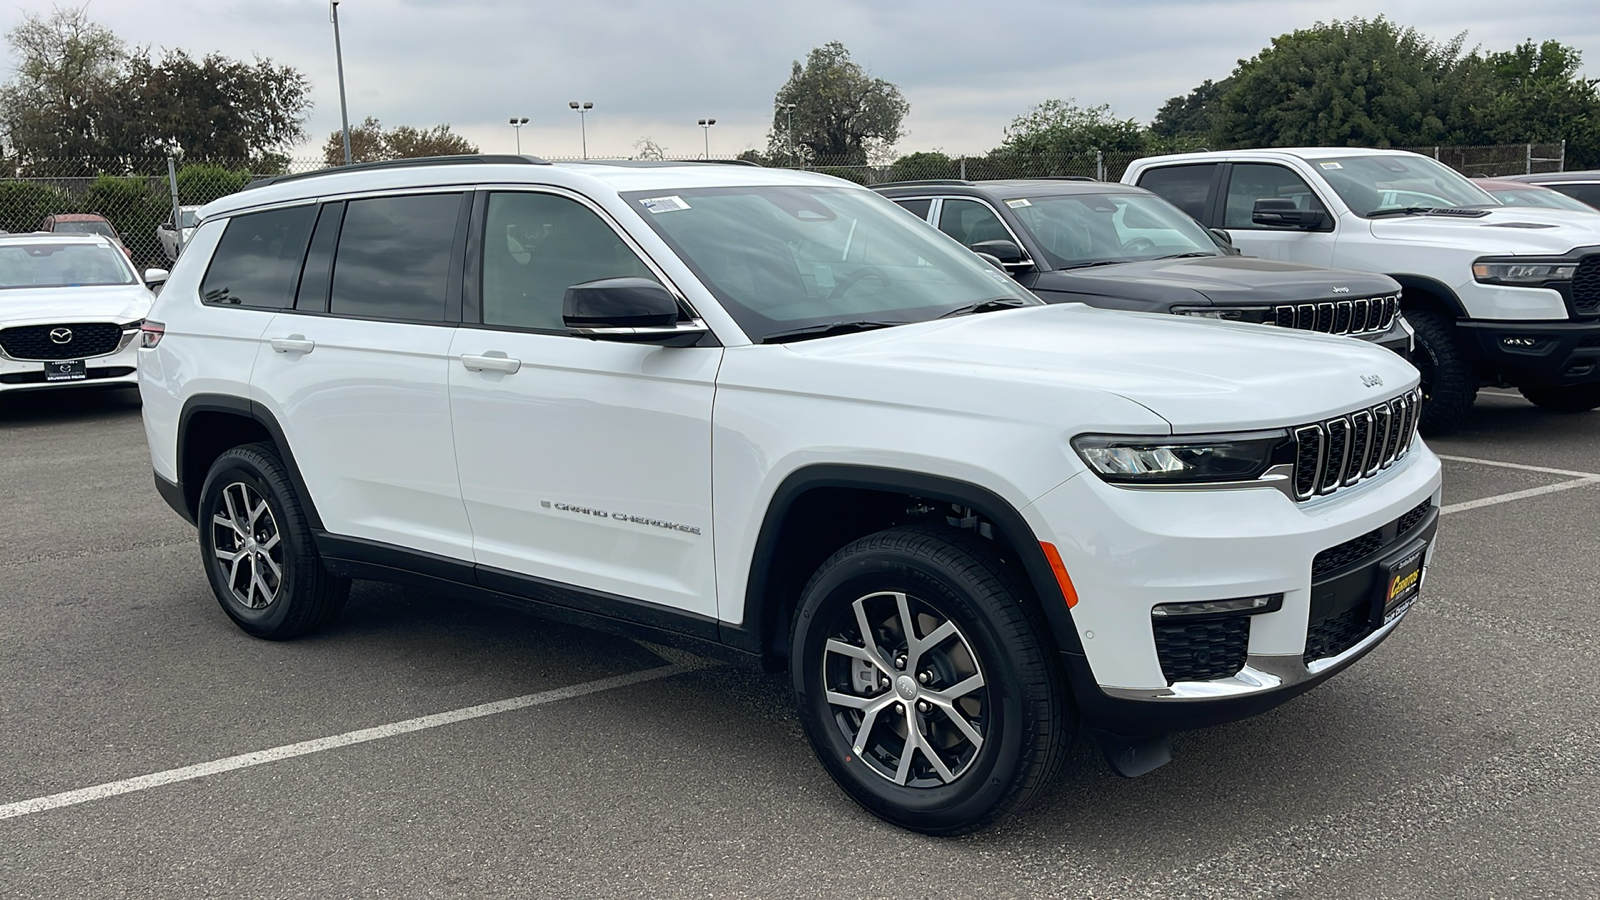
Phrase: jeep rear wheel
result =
(257, 548)
(924, 680)
(1449, 382)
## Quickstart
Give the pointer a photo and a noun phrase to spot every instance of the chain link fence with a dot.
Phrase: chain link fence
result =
(134, 196)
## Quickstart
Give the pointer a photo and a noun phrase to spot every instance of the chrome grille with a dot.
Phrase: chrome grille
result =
(1345, 450)
(1367, 314)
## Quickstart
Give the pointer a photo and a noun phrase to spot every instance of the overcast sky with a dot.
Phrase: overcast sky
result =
(654, 68)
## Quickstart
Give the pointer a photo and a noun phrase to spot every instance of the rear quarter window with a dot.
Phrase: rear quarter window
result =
(257, 261)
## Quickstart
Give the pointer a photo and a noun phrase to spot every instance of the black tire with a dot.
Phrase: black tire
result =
(1020, 712)
(1449, 381)
(300, 596)
(1573, 398)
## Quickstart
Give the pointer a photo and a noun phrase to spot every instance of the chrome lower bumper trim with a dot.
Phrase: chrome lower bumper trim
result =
(1261, 673)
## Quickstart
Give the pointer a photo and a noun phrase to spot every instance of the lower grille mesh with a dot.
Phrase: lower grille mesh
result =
(1201, 651)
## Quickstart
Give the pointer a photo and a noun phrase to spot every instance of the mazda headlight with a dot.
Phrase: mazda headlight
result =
(1256, 314)
(1184, 459)
(1523, 271)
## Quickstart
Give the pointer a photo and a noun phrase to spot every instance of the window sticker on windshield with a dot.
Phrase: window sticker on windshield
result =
(663, 204)
(1331, 165)
(1018, 204)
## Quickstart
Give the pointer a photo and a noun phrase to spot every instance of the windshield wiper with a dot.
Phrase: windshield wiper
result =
(1401, 211)
(826, 329)
(1101, 262)
(983, 306)
(1188, 255)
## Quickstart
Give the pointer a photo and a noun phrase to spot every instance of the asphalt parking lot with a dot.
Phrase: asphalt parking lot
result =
(150, 748)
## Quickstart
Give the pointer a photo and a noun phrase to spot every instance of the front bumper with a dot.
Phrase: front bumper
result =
(1542, 354)
(1128, 551)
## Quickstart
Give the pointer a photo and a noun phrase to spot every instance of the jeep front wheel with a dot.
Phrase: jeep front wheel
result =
(924, 680)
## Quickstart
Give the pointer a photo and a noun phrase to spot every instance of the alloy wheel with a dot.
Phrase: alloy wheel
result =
(906, 689)
(248, 546)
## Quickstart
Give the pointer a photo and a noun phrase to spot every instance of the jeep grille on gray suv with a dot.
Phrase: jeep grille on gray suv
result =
(1367, 314)
(1345, 450)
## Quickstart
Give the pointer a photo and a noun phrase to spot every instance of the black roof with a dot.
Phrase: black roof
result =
(1005, 188)
(1556, 177)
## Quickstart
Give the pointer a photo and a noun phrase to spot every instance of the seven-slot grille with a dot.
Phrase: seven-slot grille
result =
(1342, 451)
(73, 340)
(1586, 286)
(1361, 316)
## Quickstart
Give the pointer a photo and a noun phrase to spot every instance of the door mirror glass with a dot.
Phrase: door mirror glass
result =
(1007, 252)
(153, 277)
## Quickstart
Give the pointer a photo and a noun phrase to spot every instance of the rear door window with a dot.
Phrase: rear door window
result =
(1185, 187)
(257, 261)
(393, 260)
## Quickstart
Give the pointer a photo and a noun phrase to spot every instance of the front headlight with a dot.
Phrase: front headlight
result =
(1255, 314)
(1523, 272)
(1184, 459)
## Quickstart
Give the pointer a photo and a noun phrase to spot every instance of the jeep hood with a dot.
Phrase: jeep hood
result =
(1198, 375)
(1517, 230)
(1223, 280)
(42, 306)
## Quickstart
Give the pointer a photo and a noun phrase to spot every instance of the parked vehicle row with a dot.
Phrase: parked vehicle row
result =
(768, 411)
(1119, 247)
(1582, 186)
(1497, 294)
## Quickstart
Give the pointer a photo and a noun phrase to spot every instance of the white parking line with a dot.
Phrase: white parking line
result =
(1508, 465)
(1516, 495)
(287, 751)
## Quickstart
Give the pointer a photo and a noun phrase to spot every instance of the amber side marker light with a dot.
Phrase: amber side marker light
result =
(1060, 568)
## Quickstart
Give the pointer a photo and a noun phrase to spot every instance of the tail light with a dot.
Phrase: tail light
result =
(150, 333)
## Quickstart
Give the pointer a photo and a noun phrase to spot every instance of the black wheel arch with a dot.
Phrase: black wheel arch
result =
(1422, 292)
(771, 592)
(210, 425)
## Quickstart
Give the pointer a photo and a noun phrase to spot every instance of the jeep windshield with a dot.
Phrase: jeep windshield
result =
(1076, 230)
(33, 265)
(796, 261)
(1390, 185)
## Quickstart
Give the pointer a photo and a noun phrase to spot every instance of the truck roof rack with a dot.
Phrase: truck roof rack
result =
(479, 158)
(917, 181)
(659, 163)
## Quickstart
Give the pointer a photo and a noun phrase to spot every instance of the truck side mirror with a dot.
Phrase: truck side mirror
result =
(1282, 213)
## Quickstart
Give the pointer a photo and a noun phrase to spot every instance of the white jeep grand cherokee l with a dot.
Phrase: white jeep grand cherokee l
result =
(1497, 294)
(768, 411)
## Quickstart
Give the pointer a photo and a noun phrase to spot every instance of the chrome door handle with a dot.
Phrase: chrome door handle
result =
(294, 343)
(491, 361)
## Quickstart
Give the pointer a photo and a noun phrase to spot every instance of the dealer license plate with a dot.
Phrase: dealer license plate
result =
(66, 370)
(1403, 580)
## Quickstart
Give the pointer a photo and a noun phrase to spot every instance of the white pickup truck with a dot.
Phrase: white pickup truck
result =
(1497, 294)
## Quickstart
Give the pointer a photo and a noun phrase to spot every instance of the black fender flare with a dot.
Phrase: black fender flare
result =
(248, 409)
(750, 636)
(1432, 286)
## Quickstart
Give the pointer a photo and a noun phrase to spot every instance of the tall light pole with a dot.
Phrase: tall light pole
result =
(516, 125)
(705, 126)
(338, 55)
(583, 130)
(788, 108)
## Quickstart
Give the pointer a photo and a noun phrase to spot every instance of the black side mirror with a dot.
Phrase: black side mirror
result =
(633, 310)
(1225, 241)
(992, 260)
(1282, 213)
(1004, 250)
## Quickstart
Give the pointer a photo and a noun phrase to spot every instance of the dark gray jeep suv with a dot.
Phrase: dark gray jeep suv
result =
(1122, 247)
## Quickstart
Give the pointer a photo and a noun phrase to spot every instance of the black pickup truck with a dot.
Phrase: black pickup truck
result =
(1122, 247)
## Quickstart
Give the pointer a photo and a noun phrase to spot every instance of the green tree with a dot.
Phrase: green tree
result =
(213, 108)
(203, 182)
(924, 165)
(842, 115)
(369, 142)
(1538, 94)
(62, 103)
(135, 205)
(1191, 117)
(24, 204)
(1362, 82)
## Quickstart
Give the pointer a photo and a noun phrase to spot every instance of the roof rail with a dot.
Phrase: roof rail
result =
(481, 158)
(658, 163)
(1066, 178)
(930, 181)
